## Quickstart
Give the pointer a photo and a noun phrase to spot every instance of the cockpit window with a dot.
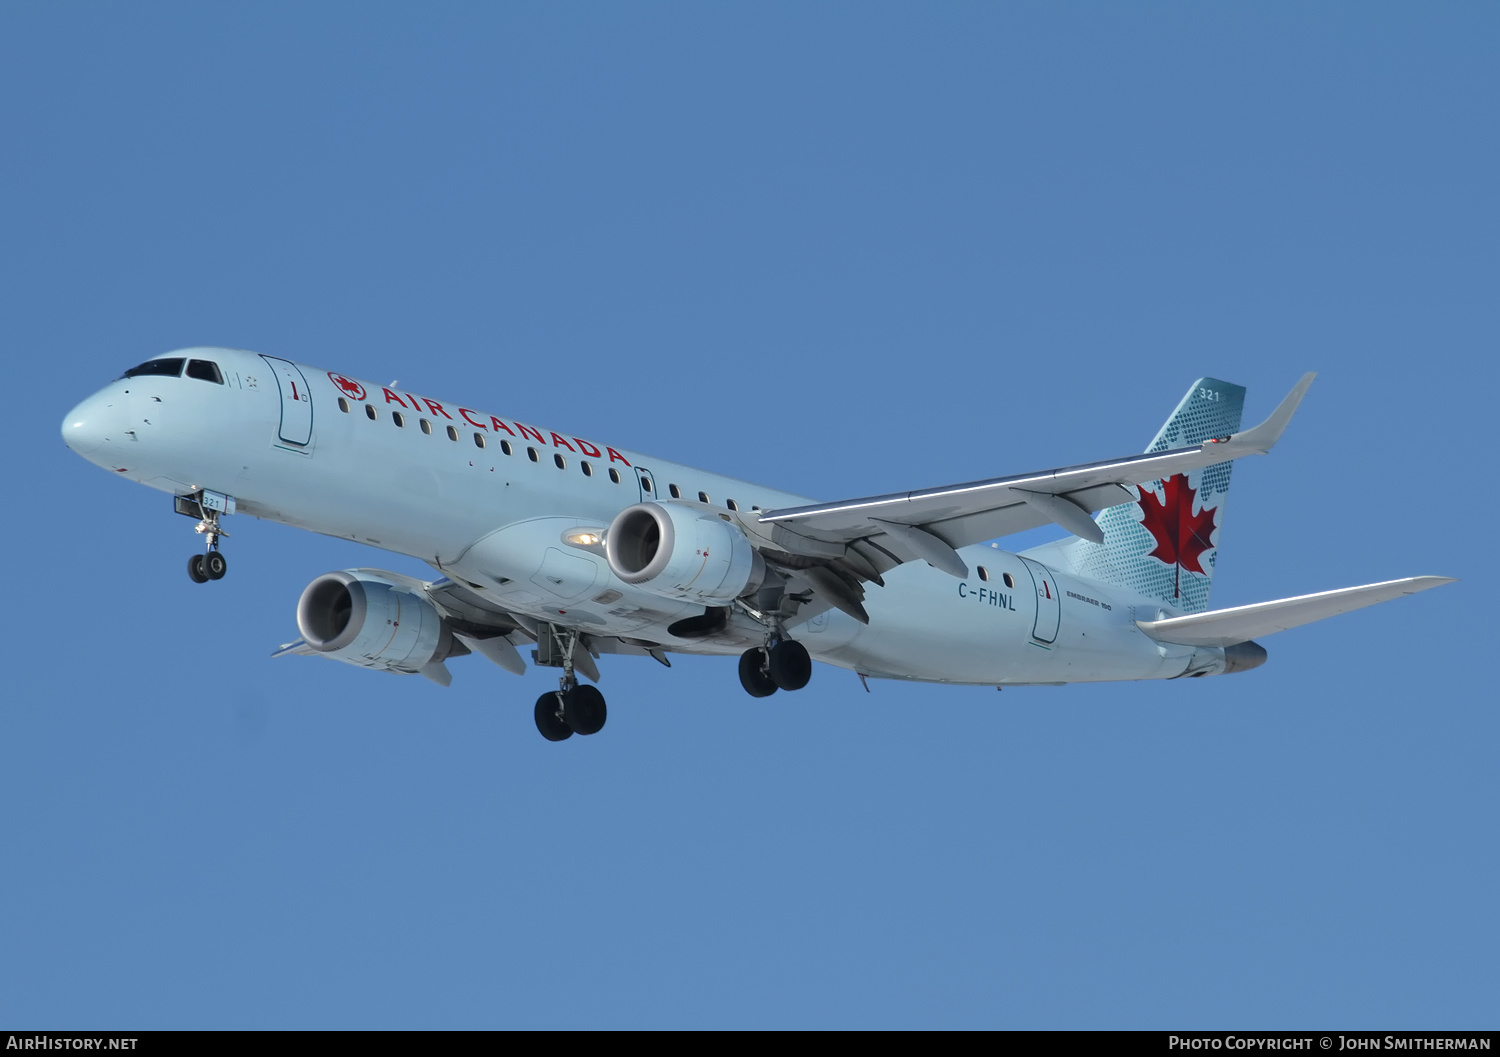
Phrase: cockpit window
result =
(205, 370)
(170, 367)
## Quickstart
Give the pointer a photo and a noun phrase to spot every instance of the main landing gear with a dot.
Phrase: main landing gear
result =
(562, 713)
(574, 707)
(211, 565)
(782, 664)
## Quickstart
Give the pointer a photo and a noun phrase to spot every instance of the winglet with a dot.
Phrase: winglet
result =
(1258, 440)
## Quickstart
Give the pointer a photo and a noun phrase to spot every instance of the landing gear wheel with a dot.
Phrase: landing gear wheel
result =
(552, 725)
(753, 675)
(791, 667)
(214, 565)
(583, 708)
(196, 570)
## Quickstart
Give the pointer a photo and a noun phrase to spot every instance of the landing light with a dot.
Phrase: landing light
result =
(588, 538)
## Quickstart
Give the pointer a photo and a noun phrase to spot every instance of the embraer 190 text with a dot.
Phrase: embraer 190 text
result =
(573, 548)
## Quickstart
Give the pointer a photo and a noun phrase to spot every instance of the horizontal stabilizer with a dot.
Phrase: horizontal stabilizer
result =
(1225, 627)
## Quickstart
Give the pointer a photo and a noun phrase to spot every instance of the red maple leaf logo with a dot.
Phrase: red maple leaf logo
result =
(1181, 535)
(348, 385)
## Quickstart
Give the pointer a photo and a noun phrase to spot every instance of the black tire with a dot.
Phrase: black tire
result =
(583, 708)
(215, 565)
(552, 726)
(195, 569)
(753, 675)
(791, 667)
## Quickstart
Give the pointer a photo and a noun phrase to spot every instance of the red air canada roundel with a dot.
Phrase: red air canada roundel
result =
(348, 386)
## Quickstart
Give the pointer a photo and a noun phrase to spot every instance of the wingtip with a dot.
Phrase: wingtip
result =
(1411, 585)
(1422, 583)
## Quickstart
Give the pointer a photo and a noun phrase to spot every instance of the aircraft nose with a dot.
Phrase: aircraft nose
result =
(91, 423)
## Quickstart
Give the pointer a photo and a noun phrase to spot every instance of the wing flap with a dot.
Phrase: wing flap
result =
(1225, 627)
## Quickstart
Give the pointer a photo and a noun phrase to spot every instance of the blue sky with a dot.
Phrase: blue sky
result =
(837, 248)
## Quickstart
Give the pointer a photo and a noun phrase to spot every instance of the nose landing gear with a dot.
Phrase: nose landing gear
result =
(205, 567)
(207, 507)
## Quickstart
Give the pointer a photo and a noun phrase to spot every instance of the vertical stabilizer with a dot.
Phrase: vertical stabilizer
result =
(1166, 543)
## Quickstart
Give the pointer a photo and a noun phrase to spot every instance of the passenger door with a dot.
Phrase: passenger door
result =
(295, 429)
(1048, 605)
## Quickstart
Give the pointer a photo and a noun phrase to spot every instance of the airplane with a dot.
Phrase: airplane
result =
(573, 548)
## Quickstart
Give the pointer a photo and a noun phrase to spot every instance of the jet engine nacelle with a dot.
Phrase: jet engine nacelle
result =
(374, 624)
(683, 552)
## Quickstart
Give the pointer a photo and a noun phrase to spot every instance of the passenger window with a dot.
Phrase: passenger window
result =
(343, 405)
(453, 433)
(532, 455)
(370, 412)
(984, 574)
(205, 371)
(1008, 581)
(562, 464)
(505, 447)
(702, 497)
(614, 475)
(731, 504)
(398, 418)
(426, 427)
(479, 440)
(169, 368)
(588, 471)
(676, 492)
(646, 484)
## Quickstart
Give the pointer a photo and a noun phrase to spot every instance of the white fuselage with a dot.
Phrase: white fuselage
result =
(324, 452)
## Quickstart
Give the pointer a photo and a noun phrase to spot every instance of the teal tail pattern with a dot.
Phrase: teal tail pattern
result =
(1165, 545)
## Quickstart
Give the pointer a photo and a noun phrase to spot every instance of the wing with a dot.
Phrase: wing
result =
(889, 530)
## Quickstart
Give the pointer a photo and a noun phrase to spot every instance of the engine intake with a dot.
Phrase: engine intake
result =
(371, 623)
(679, 551)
